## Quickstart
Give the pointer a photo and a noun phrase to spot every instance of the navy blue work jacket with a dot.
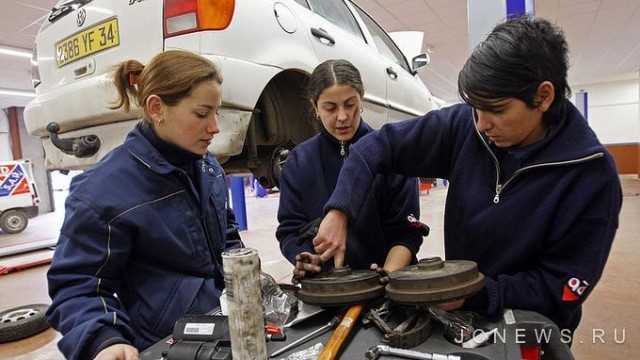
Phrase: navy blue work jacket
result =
(140, 246)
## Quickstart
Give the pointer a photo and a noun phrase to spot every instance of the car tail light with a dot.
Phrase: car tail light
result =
(35, 73)
(185, 16)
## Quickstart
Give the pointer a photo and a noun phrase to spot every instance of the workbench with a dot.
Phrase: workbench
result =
(516, 328)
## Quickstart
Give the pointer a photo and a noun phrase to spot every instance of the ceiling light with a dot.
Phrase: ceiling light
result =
(15, 51)
(14, 92)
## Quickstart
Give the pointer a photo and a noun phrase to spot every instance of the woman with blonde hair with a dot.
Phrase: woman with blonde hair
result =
(145, 227)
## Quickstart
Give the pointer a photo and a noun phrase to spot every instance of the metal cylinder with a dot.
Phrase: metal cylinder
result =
(244, 301)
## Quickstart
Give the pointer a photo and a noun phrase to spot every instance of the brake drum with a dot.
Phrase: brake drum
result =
(340, 287)
(434, 281)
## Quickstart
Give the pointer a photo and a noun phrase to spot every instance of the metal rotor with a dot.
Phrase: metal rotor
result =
(434, 281)
(341, 287)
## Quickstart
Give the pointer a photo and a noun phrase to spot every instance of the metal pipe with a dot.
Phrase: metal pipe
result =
(323, 329)
(244, 301)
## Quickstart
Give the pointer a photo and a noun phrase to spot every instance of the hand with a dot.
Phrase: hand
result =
(384, 275)
(331, 241)
(451, 305)
(118, 352)
(307, 264)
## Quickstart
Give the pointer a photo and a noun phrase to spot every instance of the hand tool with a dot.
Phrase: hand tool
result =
(330, 350)
(273, 329)
(375, 352)
(479, 340)
(321, 330)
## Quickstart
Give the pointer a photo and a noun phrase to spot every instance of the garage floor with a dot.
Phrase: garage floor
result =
(609, 329)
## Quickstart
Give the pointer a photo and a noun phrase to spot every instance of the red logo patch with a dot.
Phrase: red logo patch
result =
(573, 289)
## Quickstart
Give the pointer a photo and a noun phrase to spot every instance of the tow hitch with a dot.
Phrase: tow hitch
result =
(82, 146)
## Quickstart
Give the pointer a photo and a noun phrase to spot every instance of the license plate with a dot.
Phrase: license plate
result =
(89, 41)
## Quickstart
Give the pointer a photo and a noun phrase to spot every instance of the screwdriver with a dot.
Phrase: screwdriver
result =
(321, 330)
(330, 351)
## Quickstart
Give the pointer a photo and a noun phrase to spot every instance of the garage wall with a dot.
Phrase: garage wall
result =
(5, 140)
(614, 114)
(32, 149)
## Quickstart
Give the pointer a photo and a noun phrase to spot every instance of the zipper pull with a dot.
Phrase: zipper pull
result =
(343, 150)
(496, 199)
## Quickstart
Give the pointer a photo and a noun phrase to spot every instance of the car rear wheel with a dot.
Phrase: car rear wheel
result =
(281, 122)
(13, 221)
(278, 157)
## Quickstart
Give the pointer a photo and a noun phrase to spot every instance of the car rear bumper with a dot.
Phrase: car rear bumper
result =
(233, 125)
(32, 211)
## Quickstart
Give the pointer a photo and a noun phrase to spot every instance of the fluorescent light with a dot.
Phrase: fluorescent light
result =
(15, 51)
(13, 92)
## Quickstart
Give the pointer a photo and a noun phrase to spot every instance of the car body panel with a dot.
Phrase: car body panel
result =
(77, 95)
(351, 47)
(265, 54)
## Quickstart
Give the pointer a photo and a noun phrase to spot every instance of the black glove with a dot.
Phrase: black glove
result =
(309, 231)
(384, 275)
(421, 228)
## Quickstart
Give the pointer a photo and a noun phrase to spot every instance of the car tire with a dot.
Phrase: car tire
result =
(13, 221)
(278, 157)
(22, 322)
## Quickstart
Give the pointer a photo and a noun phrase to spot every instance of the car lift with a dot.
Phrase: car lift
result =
(25, 255)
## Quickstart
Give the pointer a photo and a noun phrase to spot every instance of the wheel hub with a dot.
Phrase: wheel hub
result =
(340, 287)
(434, 281)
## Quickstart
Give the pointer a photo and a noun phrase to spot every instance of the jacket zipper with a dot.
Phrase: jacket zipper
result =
(197, 196)
(500, 187)
(343, 149)
(201, 203)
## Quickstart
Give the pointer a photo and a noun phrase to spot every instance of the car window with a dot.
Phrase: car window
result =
(303, 3)
(385, 45)
(337, 12)
(70, 2)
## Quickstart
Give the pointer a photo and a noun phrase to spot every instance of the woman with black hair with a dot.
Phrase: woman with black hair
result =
(381, 233)
(534, 197)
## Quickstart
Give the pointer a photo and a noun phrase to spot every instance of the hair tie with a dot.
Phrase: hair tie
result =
(133, 77)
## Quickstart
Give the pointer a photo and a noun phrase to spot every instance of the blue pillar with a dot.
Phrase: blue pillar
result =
(582, 103)
(238, 202)
(517, 8)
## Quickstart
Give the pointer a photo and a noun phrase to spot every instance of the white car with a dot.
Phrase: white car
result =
(266, 50)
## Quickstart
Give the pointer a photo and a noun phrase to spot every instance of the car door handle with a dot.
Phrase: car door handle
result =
(392, 73)
(321, 33)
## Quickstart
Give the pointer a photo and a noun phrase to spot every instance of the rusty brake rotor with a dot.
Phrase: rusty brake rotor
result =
(340, 287)
(434, 281)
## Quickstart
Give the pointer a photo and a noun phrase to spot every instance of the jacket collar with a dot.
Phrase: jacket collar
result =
(141, 148)
(363, 129)
(571, 138)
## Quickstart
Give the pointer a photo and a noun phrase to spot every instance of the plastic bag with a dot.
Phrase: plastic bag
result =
(458, 326)
(278, 305)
